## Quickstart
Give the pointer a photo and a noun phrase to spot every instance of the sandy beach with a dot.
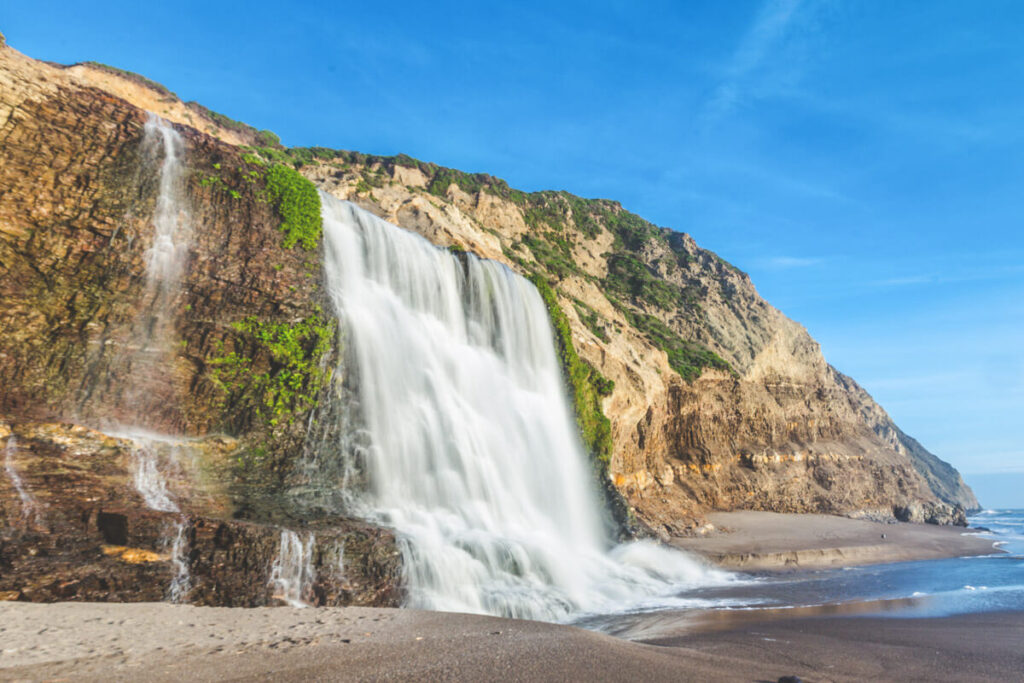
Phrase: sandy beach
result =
(749, 540)
(88, 641)
(159, 641)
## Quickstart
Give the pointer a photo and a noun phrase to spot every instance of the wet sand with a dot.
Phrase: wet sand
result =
(749, 541)
(86, 641)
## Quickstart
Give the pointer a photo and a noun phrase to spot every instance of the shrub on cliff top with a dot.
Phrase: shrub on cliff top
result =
(267, 138)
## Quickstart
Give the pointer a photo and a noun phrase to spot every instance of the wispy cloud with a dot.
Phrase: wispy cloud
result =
(785, 262)
(904, 281)
(764, 35)
(988, 273)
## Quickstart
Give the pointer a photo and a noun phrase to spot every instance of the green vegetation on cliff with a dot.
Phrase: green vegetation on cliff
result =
(687, 358)
(586, 385)
(298, 203)
(294, 197)
(295, 372)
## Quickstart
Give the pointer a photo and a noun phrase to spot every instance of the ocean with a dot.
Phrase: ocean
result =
(931, 588)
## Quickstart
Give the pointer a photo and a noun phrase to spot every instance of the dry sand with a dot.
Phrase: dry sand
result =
(769, 540)
(155, 642)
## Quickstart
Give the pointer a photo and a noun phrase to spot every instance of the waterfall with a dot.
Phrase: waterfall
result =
(292, 574)
(473, 455)
(165, 259)
(29, 506)
(149, 481)
(181, 584)
(165, 264)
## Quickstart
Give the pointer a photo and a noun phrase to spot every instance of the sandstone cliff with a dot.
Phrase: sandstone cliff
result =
(719, 401)
(246, 353)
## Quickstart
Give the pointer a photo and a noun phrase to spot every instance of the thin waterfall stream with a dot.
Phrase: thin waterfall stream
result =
(29, 505)
(166, 260)
(473, 454)
(292, 574)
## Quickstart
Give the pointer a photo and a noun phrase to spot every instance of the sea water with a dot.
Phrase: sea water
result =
(929, 588)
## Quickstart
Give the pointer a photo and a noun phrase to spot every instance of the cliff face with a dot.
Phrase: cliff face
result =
(719, 401)
(240, 347)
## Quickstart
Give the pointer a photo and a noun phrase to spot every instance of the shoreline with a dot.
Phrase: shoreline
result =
(159, 641)
(772, 541)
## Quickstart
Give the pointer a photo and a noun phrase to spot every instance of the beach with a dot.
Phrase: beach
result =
(844, 641)
(749, 540)
(88, 641)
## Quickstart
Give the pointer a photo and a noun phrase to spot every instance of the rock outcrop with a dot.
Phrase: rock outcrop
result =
(82, 531)
(246, 353)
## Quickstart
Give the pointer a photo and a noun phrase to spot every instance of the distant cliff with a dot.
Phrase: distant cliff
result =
(716, 400)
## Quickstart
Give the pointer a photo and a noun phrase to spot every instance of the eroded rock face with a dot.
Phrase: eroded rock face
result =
(771, 427)
(78, 188)
(89, 534)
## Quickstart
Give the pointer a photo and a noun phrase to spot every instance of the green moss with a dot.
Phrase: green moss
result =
(295, 374)
(586, 385)
(298, 204)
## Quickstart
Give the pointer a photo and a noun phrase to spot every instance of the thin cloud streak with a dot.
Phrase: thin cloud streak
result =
(785, 262)
(768, 29)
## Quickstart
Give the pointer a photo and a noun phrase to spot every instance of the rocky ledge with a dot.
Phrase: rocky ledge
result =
(75, 526)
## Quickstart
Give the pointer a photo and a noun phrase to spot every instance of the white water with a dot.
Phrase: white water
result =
(292, 574)
(474, 455)
(29, 506)
(165, 264)
(181, 584)
(148, 479)
(166, 259)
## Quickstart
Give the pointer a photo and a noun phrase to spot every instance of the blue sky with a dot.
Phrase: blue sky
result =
(862, 160)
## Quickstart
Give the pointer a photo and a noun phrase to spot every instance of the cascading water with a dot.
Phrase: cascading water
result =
(165, 265)
(166, 258)
(181, 584)
(292, 574)
(148, 479)
(473, 452)
(29, 506)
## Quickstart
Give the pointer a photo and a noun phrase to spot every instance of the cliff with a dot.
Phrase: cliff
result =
(720, 402)
(241, 350)
(715, 400)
